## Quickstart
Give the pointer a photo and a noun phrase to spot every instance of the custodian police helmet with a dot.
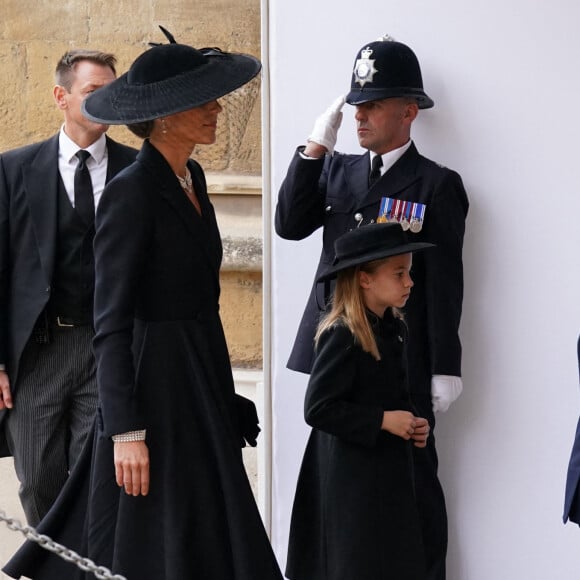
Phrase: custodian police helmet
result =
(386, 68)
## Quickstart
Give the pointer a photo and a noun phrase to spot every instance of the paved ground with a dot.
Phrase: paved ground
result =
(9, 503)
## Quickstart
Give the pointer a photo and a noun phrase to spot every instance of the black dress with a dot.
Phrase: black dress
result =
(163, 365)
(354, 514)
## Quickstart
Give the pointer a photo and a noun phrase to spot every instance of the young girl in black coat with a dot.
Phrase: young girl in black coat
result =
(354, 515)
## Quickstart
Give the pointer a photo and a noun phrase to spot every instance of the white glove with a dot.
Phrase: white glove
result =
(444, 390)
(326, 126)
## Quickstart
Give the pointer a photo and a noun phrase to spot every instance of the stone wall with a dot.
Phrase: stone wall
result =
(34, 34)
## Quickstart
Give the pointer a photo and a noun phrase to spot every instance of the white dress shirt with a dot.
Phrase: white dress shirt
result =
(96, 163)
(391, 157)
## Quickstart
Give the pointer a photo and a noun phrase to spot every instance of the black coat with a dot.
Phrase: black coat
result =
(354, 514)
(329, 192)
(29, 179)
(162, 365)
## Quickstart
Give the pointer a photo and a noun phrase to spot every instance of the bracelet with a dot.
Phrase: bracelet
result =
(130, 436)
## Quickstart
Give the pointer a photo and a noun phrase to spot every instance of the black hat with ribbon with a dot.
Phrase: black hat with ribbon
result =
(384, 69)
(168, 79)
(368, 243)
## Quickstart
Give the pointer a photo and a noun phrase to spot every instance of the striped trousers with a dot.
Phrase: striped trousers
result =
(54, 406)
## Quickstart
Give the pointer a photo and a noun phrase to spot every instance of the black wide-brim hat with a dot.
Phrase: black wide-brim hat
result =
(385, 69)
(168, 79)
(368, 243)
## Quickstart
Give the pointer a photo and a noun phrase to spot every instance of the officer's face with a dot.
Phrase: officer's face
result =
(388, 284)
(386, 124)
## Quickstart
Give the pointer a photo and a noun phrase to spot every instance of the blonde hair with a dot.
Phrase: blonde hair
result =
(348, 307)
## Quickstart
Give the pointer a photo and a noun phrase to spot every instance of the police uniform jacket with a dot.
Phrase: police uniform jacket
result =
(333, 194)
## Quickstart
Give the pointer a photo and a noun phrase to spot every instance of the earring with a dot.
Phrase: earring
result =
(163, 127)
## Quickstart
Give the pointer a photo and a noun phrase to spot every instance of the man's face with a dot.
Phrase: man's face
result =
(384, 125)
(87, 77)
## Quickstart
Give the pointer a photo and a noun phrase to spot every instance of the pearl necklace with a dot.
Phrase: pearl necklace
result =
(186, 182)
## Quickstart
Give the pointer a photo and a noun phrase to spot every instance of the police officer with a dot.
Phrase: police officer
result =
(391, 181)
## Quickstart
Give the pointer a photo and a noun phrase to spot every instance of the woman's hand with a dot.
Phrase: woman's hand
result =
(404, 424)
(132, 467)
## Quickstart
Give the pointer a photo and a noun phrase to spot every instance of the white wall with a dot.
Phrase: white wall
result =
(504, 75)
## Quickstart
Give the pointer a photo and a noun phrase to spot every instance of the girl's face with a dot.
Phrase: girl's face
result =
(389, 285)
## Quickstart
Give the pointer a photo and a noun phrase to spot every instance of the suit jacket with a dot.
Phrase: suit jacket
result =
(571, 499)
(29, 180)
(329, 193)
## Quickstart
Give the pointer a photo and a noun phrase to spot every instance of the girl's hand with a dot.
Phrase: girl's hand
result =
(421, 432)
(400, 423)
(132, 467)
(404, 424)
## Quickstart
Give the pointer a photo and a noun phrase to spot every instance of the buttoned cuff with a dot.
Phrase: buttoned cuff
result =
(307, 157)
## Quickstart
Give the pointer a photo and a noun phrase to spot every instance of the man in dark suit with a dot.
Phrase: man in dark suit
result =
(390, 182)
(48, 196)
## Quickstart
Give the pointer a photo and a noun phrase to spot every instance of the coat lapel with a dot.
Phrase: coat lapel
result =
(171, 191)
(40, 178)
(356, 172)
(117, 159)
(398, 178)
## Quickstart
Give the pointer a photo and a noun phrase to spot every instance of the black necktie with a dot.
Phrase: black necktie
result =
(375, 173)
(84, 199)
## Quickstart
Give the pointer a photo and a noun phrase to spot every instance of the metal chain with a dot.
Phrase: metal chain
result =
(61, 551)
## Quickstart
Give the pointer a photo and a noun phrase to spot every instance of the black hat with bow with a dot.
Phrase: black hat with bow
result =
(167, 79)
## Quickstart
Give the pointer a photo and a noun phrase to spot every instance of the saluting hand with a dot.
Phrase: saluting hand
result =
(325, 130)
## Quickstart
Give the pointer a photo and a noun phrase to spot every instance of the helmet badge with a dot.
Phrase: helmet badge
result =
(364, 68)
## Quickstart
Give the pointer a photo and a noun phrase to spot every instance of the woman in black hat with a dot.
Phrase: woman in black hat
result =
(354, 513)
(168, 496)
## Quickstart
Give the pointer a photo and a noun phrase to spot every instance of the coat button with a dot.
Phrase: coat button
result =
(328, 208)
(47, 289)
